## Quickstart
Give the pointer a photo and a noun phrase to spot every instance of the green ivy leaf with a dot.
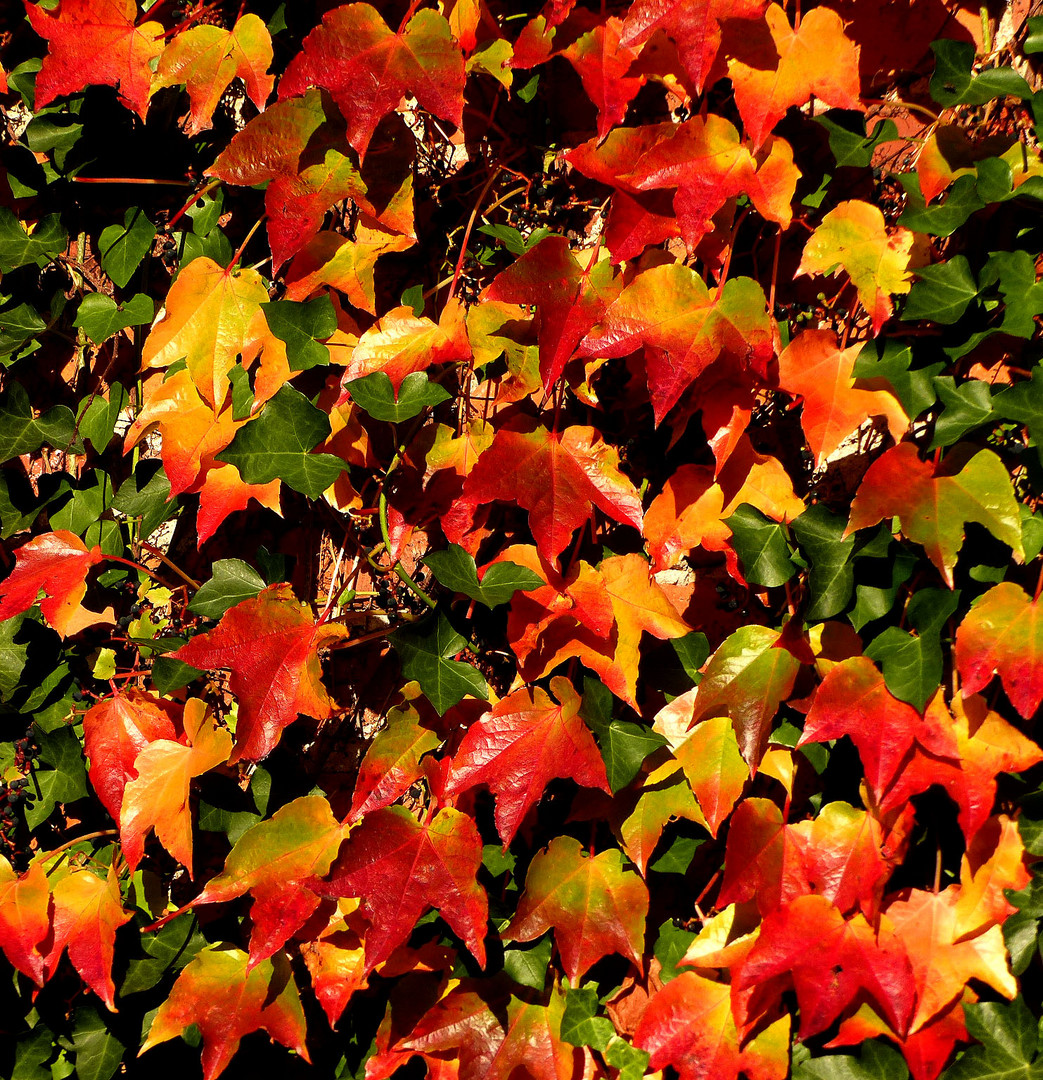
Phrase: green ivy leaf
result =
(953, 81)
(21, 433)
(425, 650)
(939, 219)
(276, 443)
(671, 945)
(145, 494)
(877, 1061)
(98, 416)
(831, 573)
(942, 292)
(885, 364)
(233, 581)
(122, 247)
(100, 317)
(1009, 1040)
(693, 650)
(761, 546)
(454, 568)
(965, 407)
(17, 325)
(59, 775)
(18, 247)
(99, 1050)
(848, 141)
(631, 1062)
(375, 394)
(580, 1024)
(527, 964)
(303, 326)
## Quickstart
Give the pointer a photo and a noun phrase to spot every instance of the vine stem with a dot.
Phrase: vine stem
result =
(205, 190)
(166, 562)
(398, 568)
(467, 231)
(249, 236)
(86, 836)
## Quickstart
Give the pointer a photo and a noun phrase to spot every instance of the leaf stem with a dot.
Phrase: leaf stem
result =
(191, 582)
(398, 568)
(249, 236)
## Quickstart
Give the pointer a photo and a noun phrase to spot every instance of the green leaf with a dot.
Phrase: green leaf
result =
(511, 238)
(1030, 822)
(31, 1054)
(20, 433)
(1009, 1041)
(624, 746)
(884, 364)
(761, 546)
(1021, 936)
(425, 650)
(913, 665)
(59, 775)
(875, 601)
(831, 573)
(122, 247)
(966, 407)
(692, 650)
(848, 141)
(276, 444)
(21, 248)
(580, 1024)
(527, 964)
(145, 494)
(939, 219)
(99, 415)
(1023, 403)
(375, 394)
(670, 946)
(878, 1061)
(13, 655)
(413, 297)
(941, 292)
(631, 1062)
(678, 856)
(17, 325)
(232, 582)
(99, 1051)
(242, 392)
(302, 326)
(953, 82)
(101, 318)
(455, 569)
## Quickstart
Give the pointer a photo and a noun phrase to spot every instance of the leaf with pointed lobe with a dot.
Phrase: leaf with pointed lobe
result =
(367, 67)
(594, 904)
(157, 798)
(854, 238)
(570, 292)
(761, 546)
(689, 1024)
(302, 326)
(524, 742)
(270, 644)
(232, 581)
(714, 767)
(964, 408)
(455, 569)
(668, 311)
(426, 652)
(831, 960)
(817, 59)
(205, 60)
(226, 999)
(993, 863)
(25, 917)
(19, 247)
(701, 160)
(402, 868)
(695, 26)
(377, 396)
(762, 861)
(602, 62)
(934, 507)
(392, 762)
(558, 477)
(96, 42)
(335, 960)
(814, 367)
(55, 563)
(115, 731)
(88, 910)
(1003, 634)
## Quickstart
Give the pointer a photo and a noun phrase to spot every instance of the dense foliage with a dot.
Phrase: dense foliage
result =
(520, 539)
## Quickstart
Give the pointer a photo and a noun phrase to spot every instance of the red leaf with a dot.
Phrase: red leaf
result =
(521, 745)
(270, 644)
(558, 477)
(570, 294)
(402, 868)
(1003, 634)
(226, 999)
(25, 917)
(96, 42)
(368, 68)
(56, 564)
(602, 64)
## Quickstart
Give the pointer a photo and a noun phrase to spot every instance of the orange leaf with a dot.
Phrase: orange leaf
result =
(25, 918)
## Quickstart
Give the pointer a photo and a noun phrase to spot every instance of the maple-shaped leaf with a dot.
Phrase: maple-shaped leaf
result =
(747, 678)
(400, 343)
(25, 917)
(669, 312)
(694, 25)
(854, 238)
(689, 1024)
(815, 368)
(524, 742)
(270, 644)
(816, 59)
(570, 292)
(88, 910)
(226, 999)
(761, 861)
(714, 767)
(703, 162)
(92, 42)
(271, 861)
(853, 700)
(115, 731)
(401, 868)
(934, 505)
(205, 59)
(1003, 634)
(212, 316)
(602, 62)
(595, 905)
(558, 477)
(831, 959)
(985, 745)
(993, 863)
(925, 922)
(367, 67)
(157, 798)
(55, 564)
(392, 762)
(222, 491)
(348, 265)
